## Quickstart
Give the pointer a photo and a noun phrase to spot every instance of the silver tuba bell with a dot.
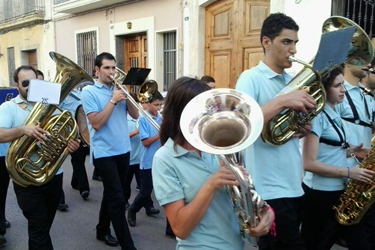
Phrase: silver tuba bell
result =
(225, 122)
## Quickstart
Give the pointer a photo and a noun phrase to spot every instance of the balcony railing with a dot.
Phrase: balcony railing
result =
(11, 10)
(80, 6)
(59, 1)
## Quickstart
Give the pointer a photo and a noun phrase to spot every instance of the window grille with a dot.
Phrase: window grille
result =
(360, 11)
(87, 50)
(169, 59)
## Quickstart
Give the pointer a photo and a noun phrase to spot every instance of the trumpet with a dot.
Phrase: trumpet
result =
(145, 94)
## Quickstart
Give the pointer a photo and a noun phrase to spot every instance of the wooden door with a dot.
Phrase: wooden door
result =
(135, 47)
(135, 51)
(233, 38)
(32, 58)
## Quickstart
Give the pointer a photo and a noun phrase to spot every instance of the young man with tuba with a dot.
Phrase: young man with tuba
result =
(277, 170)
(106, 109)
(38, 203)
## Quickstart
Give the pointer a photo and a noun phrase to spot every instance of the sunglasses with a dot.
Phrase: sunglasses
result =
(25, 83)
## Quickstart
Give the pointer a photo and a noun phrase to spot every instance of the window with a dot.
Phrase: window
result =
(87, 50)
(360, 11)
(11, 65)
(169, 49)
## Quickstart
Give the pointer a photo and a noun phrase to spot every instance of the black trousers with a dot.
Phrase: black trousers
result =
(39, 204)
(4, 183)
(79, 178)
(369, 225)
(143, 199)
(288, 213)
(62, 195)
(113, 171)
(320, 230)
(133, 171)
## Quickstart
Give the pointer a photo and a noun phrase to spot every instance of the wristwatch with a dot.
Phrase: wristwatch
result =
(113, 102)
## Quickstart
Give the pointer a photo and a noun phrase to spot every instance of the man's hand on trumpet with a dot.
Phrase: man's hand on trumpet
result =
(118, 95)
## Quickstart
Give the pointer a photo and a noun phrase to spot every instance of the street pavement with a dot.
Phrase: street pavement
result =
(75, 229)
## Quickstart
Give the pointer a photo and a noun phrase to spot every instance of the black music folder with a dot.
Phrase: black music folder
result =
(333, 48)
(136, 76)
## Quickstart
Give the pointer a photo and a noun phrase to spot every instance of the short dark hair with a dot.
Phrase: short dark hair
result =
(207, 79)
(156, 97)
(179, 94)
(39, 73)
(105, 55)
(23, 67)
(275, 23)
(328, 79)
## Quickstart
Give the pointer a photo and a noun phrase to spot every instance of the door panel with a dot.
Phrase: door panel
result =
(135, 51)
(220, 62)
(135, 47)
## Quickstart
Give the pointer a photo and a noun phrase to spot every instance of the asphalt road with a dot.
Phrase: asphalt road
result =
(75, 229)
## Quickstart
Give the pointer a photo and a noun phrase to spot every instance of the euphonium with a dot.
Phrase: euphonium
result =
(282, 127)
(33, 163)
(225, 122)
(358, 196)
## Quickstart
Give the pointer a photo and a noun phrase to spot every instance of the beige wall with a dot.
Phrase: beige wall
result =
(39, 37)
(151, 16)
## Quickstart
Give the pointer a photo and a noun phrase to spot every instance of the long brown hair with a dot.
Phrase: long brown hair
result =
(179, 94)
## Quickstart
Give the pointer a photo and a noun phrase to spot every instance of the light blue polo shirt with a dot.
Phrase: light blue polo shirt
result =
(179, 175)
(331, 155)
(135, 141)
(359, 134)
(113, 138)
(13, 116)
(70, 103)
(3, 148)
(276, 170)
(146, 130)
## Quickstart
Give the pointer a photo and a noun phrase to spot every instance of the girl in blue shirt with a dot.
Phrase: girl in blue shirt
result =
(324, 160)
(190, 184)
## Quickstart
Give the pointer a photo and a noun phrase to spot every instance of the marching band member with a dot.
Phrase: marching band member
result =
(38, 203)
(135, 157)
(4, 184)
(277, 170)
(150, 141)
(79, 179)
(358, 111)
(325, 160)
(190, 184)
(106, 109)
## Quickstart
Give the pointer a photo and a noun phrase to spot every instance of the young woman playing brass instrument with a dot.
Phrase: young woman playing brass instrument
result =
(325, 154)
(190, 184)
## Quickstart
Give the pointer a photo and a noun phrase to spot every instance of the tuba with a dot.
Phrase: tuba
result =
(358, 196)
(33, 163)
(224, 122)
(282, 127)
